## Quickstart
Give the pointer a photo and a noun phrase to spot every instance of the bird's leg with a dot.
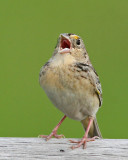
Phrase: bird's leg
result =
(54, 131)
(85, 138)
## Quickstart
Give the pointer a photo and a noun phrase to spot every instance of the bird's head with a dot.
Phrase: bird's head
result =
(70, 44)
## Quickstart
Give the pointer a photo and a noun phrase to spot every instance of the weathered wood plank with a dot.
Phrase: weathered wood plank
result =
(38, 148)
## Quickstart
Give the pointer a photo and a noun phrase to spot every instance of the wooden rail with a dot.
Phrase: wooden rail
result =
(38, 148)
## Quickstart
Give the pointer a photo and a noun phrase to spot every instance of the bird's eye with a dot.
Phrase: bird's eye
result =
(78, 41)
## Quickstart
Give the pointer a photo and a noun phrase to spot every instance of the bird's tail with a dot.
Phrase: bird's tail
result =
(94, 129)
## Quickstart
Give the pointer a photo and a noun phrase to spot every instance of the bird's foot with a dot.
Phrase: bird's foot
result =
(83, 142)
(53, 134)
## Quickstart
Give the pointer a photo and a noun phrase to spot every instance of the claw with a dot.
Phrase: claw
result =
(82, 142)
(74, 141)
(85, 138)
(53, 134)
(43, 136)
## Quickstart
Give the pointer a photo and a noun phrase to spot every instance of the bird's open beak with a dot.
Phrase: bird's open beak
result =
(65, 44)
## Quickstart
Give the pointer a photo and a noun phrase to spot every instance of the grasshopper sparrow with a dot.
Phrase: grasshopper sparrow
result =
(73, 86)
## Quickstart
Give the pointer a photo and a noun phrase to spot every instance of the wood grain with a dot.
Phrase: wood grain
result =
(38, 148)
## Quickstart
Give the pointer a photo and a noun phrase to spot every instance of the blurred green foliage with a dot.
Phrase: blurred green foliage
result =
(28, 34)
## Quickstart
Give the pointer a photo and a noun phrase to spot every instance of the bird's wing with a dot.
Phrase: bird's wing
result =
(89, 72)
(44, 68)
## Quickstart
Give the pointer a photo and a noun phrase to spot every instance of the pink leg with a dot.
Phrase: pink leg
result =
(85, 138)
(54, 131)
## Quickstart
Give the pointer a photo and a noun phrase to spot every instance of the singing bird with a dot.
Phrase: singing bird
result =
(73, 86)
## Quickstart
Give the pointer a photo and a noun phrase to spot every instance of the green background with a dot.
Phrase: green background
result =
(28, 34)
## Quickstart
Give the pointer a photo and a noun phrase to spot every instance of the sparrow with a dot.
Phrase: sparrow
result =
(73, 86)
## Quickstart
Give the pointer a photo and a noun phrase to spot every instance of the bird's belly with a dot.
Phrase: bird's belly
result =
(75, 106)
